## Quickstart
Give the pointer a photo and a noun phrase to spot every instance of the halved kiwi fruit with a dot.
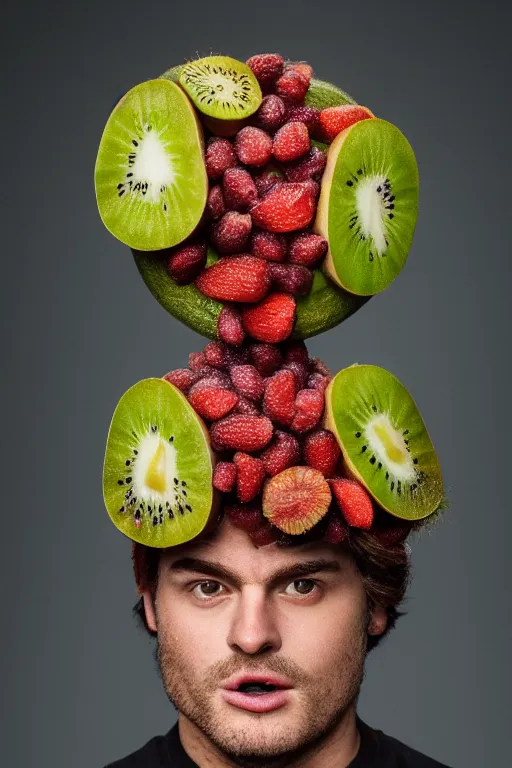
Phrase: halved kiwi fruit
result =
(384, 441)
(221, 87)
(368, 206)
(158, 469)
(150, 175)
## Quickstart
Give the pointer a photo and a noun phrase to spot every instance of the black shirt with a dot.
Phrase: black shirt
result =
(376, 750)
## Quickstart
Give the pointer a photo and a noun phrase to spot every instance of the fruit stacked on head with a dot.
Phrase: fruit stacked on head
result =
(262, 206)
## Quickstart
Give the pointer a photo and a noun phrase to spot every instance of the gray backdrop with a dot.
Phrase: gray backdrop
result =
(79, 683)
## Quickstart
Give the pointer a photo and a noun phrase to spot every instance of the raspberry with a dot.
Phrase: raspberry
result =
(266, 358)
(196, 361)
(186, 262)
(268, 179)
(318, 381)
(214, 354)
(268, 245)
(292, 86)
(334, 120)
(248, 382)
(291, 278)
(354, 502)
(224, 476)
(296, 499)
(229, 326)
(306, 249)
(303, 114)
(271, 113)
(250, 474)
(285, 208)
(272, 319)
(335, 531)
(283, 452)
(291, 142)
(213, 404)
(279, 397)
(310, 166)
(267, 67)
(241, 433)
(183, 378)
(239, 189)
(299, 370)
(253, 146)
(236, 278)
(232, 232)
(220, 155)
(295, 351)
(321, 451)
(248, 517)
(306, 70)
(216, 205)
(309, 407)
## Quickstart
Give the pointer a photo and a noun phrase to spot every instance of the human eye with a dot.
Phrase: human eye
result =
(305, 581)
(204, 596)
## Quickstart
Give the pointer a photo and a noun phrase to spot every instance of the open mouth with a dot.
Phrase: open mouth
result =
(256, 688)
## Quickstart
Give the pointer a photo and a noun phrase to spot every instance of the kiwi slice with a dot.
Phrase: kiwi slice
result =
(322, 94)
(158, 469)
(150, 176)
(368, 206)
(173, 73)
(384, 441)
(221, 87)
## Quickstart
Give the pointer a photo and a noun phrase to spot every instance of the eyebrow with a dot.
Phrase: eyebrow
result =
(305, 568)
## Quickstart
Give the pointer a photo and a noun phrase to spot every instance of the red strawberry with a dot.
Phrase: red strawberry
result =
(309, 407)
(186, 262)
(250, 474)
(353, 501)
(239, 189)
(248, 517)
(336, 530)
(182, 378)
(279, 397)
(241, 433)
(271, 113)
(266, 534)
(224, 476)
(300, 371)
(216, 205)
(213, 404)
(311, 166)
(296, 499)
(303, 114)
(272, 319)
(246, 406)
(334, 120)
(220, 155)
(291, 142)
(285, 208)
(268, 245)
(253, 146)
(283, 452)
(318, 381)
(214, 354)
(295, 351)
(307, 248)
(232, 232)
(235, 278)
(292, 86)
(266, 358)
(306, 70)
(291, 278)
(247, 381)
(267, 67)
(229, 326)
(215, 380)
(312, 186)
(196, 361)
(237, 356)
(268, 179)
(322, 451)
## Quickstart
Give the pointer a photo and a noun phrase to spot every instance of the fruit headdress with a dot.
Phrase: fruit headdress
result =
(262, 206)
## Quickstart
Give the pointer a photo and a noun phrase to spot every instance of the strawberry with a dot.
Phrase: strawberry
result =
(248, 382)
(266, 358)
(285, 208)
(268, 245)
(299, 370)
(182, 378)
(214, 354)
(267, 67)
(250, 474)
(307, 248)
(186, 262)
(267, 180)
(215, 380)
(241, 433)
(303, 114)
(253, 146)
(322, 451)
(296, 499)
(235, 278)
(224, 476)
(292, 86)
(309, 407)
(306, 70)
(279, 397)
(291, 278)
(334, 120)
(291, 142)
(213, 404)
(266, 534)
(271, 113)
(237, 356)
(283, 452)
(318, 381)
(246, 406)
(310, 166)
(272, 319)
(295, 351)
(196, 361)
(220, 155)
(215, 205)
(353, 501)
(232, 232)
(239, 189)
(336, 530)
(248, 517)
(229, 326)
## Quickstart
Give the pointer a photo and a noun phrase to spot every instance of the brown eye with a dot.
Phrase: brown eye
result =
(206, 593)
(306, 582)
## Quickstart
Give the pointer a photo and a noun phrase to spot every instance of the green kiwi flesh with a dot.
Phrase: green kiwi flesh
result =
(368, 206)
(322, 94)
(221, 87)
(384, 441)
(150, 176)
(158, 468)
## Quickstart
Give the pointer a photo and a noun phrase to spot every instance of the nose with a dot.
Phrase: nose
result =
(253, 626)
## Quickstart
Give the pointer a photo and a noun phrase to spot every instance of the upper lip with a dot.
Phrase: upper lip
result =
(279, 682)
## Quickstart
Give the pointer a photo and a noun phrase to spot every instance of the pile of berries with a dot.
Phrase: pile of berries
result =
(263, 405)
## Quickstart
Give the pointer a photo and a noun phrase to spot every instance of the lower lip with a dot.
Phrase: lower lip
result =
(258, 702)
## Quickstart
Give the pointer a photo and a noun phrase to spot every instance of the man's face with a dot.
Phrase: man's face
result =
(311, 629)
